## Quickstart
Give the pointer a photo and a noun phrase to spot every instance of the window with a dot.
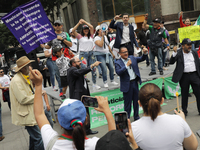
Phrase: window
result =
(75, 12)
(132, 7)
(187, 5)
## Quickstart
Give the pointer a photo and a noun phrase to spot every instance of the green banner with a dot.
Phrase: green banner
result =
(116, 104)
(170, 88)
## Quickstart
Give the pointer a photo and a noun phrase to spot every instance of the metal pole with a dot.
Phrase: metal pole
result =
(114, 7)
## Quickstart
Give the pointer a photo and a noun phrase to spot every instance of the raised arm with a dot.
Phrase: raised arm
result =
(75, 28)
(181, 19)
(104, 107)
(145, 22)
(40, 117)
(89, 25)
(112, 24)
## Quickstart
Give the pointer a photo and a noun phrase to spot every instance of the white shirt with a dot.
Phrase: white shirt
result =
(48, 133)
(166, 132)
(189, 64)
(85, 44)
(49, 50)
(101, 49)
(74, 44)
(125, 34)
(129, 69)
(5, 81)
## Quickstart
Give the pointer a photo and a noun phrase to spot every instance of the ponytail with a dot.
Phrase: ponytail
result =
(153, 108)
(78, 135)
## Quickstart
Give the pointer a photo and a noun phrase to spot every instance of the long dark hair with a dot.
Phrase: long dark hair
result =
(150, 97)
(88, 35)
(78, 135)
(97, 33)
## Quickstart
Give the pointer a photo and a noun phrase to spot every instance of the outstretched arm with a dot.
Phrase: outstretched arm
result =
(145, 22)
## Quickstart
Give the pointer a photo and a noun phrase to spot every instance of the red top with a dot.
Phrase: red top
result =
(181, 22)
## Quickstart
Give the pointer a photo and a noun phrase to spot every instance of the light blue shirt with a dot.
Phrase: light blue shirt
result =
(130, 70)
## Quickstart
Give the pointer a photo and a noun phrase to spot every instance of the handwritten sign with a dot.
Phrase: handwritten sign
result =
(30, 25)
(191, 32)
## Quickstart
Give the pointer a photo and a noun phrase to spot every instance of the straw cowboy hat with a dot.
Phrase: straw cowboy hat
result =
(22, 62)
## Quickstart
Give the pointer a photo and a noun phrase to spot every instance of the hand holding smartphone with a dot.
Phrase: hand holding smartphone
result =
(89, 101)
(121, 121)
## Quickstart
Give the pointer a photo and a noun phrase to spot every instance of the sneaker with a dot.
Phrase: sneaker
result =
(100, 75)
(106, 85)
(165, 68)
(161, 73)
(87, 80)
(2, 137)
(63, 97)
(97, 87)
(55, 88)
(114, 83)
(152, 73)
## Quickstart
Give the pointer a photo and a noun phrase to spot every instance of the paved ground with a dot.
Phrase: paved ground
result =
(17, 137)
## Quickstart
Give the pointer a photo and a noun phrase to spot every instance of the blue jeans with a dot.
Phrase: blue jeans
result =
(35, 138)
(152, 57)
(49, 117)
(53, 70)
(102, 59)
(1, 131)
(90, 60)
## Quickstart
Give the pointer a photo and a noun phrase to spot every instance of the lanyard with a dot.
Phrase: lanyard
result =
(68, 137)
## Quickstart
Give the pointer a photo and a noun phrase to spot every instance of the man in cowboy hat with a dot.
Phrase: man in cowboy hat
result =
(22, 98)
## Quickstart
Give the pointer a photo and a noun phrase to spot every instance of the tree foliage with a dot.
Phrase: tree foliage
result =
(50, 6)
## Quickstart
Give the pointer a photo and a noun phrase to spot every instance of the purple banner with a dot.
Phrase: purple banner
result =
(30, 25)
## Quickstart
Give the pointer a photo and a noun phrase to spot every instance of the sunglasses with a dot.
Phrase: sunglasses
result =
(56, 25)
(124, 52)
(1, 71)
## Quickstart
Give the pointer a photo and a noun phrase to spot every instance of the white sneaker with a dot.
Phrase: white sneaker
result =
(114, 83)
(55, 89)
(106, 85)
(97, 87)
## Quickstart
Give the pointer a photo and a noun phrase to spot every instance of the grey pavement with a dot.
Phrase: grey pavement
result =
(17, 138)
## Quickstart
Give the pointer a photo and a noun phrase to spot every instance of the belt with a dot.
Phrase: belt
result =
(125, 44)
(189, 72)
(132, 80)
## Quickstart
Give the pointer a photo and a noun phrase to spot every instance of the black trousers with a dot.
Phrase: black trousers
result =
(129, 48)
(188, 79)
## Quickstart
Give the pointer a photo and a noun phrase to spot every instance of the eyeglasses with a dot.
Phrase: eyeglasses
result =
(124, 52)
(56, 25)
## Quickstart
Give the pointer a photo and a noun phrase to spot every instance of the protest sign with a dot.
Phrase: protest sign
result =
(191, 32)
(116, 104)
(30, 25)
(170, 88)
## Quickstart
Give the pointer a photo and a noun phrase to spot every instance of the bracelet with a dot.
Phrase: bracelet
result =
(167, 44)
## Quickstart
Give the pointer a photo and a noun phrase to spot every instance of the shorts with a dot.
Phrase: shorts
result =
(64, 82)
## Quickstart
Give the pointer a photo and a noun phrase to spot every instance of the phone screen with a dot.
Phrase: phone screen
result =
(89, 101)
(121, 122)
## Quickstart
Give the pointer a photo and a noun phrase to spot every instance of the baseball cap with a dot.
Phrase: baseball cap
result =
(85, 27)
(156, 20)
(70, 110)
(97, 28)
(56, 49)
(113, 140)
(58, 22)
(70, 30)
(186, 41)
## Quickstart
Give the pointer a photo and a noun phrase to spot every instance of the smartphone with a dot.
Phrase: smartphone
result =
(121, 121)
(89, 101)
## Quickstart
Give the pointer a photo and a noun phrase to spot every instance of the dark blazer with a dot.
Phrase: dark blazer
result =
(178, 72)
(121, 71)
(75, 78)
(119, 27)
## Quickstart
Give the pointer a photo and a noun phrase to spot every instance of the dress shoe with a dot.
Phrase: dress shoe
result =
(161, 72)
(2, 137)
(152, 73)
(91, 132)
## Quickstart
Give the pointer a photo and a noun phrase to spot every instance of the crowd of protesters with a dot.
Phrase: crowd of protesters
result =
(70, 57)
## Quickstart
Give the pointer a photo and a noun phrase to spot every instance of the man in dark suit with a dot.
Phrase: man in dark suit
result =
(187, 72)
(127, 68)
(125, 36)
(78, 85)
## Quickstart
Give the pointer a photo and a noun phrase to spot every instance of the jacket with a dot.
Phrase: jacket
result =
(76, 80)
(178, 72)
(123, 72)
(119, 27)
(22, 100)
